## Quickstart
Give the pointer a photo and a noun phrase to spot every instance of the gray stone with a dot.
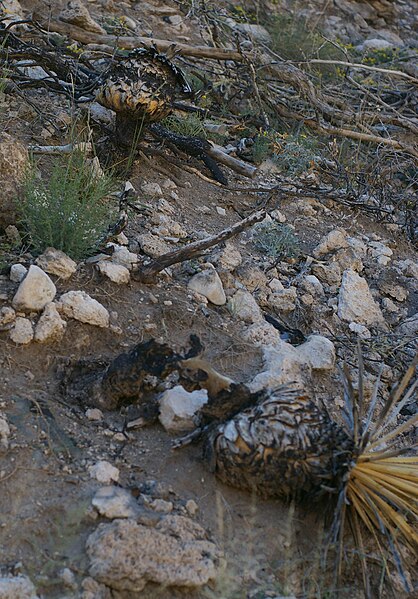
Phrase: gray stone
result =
(35, 291)
(17, 587)
(18, 273)
(356, 303)
(115, 502)
(4, 433)
(312, 285)
(257, 32)
(208, 284)
(124, 257)
(330, 274)
(22, 332)
(178, 408)
(362, 331)
(334, 240)
(318, 352)
(230, 258)
(115, 272)
(152, 245)
(243, 306)
(77, 14)
(50, 326)
(380, 252)
(282, 364)
(125, 555)
(152, 189)
(408, 327)
(57, 263)
(374, 44)
(284, 300)
(262, 334)
(7, 318)
(104, 472)
(80, 306)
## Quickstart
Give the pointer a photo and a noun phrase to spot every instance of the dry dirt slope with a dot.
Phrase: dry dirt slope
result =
(46, 488)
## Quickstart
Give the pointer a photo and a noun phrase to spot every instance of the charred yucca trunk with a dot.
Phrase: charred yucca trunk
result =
(281, 447)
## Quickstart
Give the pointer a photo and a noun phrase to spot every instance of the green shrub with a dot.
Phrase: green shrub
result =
(276, 240)
(69, 211)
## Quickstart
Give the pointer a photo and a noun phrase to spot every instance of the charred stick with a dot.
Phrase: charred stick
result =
(147, 274)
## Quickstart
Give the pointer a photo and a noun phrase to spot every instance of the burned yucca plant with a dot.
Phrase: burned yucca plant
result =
(280, 444)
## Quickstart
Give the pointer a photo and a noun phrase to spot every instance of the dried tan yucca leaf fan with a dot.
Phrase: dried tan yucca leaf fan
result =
(381, 489)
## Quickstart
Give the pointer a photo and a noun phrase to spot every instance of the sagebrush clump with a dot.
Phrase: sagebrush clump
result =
(276, 240)
(69, 211)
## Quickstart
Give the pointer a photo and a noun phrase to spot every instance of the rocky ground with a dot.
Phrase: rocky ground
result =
(94, 507)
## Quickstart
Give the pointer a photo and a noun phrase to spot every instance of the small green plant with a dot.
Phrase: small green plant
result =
(277, 240)
(68, 211)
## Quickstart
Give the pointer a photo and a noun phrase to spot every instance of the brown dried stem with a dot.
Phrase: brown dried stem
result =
(147, 274)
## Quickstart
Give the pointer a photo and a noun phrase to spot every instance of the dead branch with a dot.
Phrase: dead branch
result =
(147, 274)
(366, 67)
(85, 147)
(130, 42)
(243, 168)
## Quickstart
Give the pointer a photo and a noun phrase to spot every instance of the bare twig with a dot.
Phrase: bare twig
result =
(355, 65)
(147, 274)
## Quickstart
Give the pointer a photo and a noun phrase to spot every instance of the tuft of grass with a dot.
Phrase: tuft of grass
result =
(293, 40)
(68, 211)
(277, 240)
(190, 125)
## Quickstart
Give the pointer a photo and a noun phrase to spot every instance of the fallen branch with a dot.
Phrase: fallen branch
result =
(130, 42)
(355, 65)
(85, 147)
(243, 168)
(147, 274)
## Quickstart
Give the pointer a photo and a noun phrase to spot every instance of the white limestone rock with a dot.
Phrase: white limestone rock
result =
(57, 263)
(262, 334)
(4, 433)
(11, 10)
(124, 257)
(17, 587)
(334, 240)
(18, 272)
(282, 363)
(362, 331)
(356, 303)
(104, 472)
(115, 502)
(312, 285)
(22, 332)
(178, 408)
(243, 306)
(77, 14)
(50, 326)
(230, 258)
(318, 352)
(152, 189)
(80, 306)
(283, 300)
(208, 284)
(7, 318)
(380, 252)
(152, 245)
(115, 272)
(125, 555)
(35, 291)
